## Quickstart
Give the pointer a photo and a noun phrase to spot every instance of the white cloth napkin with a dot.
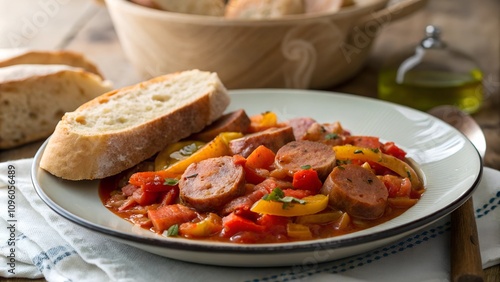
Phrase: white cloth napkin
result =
(35, 242)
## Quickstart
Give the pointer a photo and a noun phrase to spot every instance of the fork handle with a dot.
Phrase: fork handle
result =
(465, 255)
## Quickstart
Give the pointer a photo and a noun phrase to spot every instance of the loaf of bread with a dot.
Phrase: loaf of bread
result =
(13, 56)
(262, 9)
(124, 127)
(33, 98)
(195, 7)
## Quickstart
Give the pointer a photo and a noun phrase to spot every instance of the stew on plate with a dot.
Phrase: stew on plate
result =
(258, 180)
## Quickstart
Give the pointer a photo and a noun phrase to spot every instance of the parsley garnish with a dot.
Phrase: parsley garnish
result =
(171, 182)
(305, 167)
(172, 230)
(331, 136)
(358, 152)
(375, 150)
(277, 195)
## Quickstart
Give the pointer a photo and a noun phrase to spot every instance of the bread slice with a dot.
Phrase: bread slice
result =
(124, 127)
(18, 56)
(33, 98)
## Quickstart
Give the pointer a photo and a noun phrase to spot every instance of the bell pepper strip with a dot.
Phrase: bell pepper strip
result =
(310, 205)
(263, 121)
(319, 218)
(210, 225)
(344, 222)
(233, 224)
(261, 157)
(298, 231)
(176, 152)
(401, 202)
(166, 216)
(218, 147)
(400, 167)
(307, 179)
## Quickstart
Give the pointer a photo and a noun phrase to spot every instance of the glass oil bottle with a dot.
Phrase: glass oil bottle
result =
(430, 75)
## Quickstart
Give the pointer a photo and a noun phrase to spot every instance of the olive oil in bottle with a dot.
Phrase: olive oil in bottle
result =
(433, 75)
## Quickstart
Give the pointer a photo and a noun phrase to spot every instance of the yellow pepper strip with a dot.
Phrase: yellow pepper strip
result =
(298, 231)
(346, 152)
(176, 152)
(344, 222)
(319, 218)
(218, 147)
(312, 205)
(401, 202)
(212, 224)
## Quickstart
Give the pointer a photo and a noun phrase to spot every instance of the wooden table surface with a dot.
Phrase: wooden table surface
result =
(85, 26)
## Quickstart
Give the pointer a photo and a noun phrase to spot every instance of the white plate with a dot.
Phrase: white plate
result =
(448, 163)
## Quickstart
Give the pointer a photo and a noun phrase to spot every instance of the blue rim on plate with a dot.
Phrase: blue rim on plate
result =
(448, 163)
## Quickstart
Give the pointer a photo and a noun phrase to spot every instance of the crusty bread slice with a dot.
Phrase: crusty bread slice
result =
(124, 127)
(18, 56)
(33, 98)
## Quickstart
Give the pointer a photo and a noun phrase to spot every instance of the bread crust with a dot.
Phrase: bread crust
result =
(10, 57)
(33, 99)
(76, 155)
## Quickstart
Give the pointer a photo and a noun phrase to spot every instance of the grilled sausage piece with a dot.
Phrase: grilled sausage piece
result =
(356, 191)
(295, 155)
(236, 121)
(300, 126)
(272, 138)
(210, 184)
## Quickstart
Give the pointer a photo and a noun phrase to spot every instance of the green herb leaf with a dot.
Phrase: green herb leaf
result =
(358, 152)
(277, 195)
(305, 167)
(375, 150)
(171, 182)
(172, 230)
(331, 136)
(192, 175)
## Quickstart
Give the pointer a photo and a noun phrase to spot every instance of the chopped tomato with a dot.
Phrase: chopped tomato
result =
(233, 224)
(273, 224)
(144, 198)
(255, 175)
(307, 179)
(151, 181)
(391, 149)
(169, 197)
(397, 186)
(261, 157)
(166, 216)
(297, 193)
(363, 141)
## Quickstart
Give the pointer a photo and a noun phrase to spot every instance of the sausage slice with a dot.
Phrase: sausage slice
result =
(236, 121)
(210, 184)
(356, 191)
(272, 138)
(295, 155)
